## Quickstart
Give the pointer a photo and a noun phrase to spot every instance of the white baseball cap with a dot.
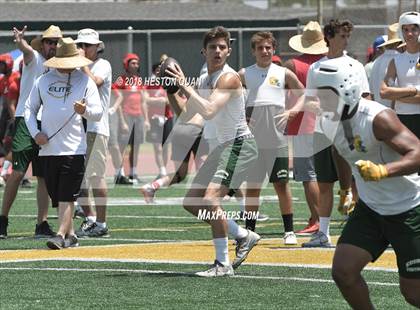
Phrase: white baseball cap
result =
(89, 36)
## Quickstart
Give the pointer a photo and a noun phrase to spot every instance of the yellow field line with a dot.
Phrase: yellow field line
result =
(267, 251)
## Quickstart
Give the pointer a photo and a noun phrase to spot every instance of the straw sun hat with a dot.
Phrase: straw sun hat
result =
(52, 32)
(67, 56)
(311, 41)
(392, 35)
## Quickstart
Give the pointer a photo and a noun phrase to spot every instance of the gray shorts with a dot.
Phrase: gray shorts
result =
(135, 129)
(303, 161)
(114, 129)
(186, 138)
(263, 127)
(274, 163)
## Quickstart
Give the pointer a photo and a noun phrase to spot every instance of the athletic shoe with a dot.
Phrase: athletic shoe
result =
(159, 176)
(289, 238)
(148, 192)
(310, 228)
(71, 242)
(261, 216)
(78, 212)
(123, 180)
(318, 240)
(217, 270)
(26, 183)
(4, 222)
(244, 246)
(43, 230)
(56, 243)
(84, 228)
(134, 178)
(96, 231)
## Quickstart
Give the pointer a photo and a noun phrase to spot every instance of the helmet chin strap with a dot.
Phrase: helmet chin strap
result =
(345, 119)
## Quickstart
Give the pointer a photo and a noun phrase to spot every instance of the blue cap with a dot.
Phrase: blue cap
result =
(378, 41)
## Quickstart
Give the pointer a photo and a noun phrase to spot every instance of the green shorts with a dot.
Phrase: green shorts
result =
(228, 164)
(274, 163)
(373, 232)
(25, 150)
(22, 139)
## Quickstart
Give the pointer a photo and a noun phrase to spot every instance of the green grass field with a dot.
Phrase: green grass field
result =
(124, 271)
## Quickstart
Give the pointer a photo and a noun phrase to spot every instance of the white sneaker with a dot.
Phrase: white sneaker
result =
(289, 238)
(244, 246)
(318, 240)
(216, 270)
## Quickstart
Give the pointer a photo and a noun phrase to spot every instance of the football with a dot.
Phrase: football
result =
(167, 82)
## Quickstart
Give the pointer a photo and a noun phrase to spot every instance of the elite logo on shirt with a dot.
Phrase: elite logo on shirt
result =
(59, 89)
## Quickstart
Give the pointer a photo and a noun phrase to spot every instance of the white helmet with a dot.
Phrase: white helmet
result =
(344, 77)
(408, 18)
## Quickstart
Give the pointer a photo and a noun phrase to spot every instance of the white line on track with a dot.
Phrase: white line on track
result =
(163, 272)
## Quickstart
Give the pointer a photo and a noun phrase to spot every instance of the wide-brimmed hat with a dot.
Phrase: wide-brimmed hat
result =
(52, 32)
(392, 36)
(90, 36)
(311, 41)
(67, 56)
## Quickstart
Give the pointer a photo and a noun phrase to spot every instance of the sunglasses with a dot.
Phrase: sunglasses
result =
(51, 42)
(83, 45)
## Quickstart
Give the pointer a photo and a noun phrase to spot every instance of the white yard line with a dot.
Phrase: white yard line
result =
(163, 272)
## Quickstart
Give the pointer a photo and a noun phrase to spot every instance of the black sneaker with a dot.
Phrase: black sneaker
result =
(71, 242)
(26, 183)
(135, 179)
(123, 180)
(56, 243)
(43, 230)
(4, 221)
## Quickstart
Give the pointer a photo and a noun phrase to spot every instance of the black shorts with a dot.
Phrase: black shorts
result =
(167, 128)
(63, 177)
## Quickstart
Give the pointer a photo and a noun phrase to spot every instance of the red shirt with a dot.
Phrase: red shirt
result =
(9, 85)
(130, 88)
(158, 91)
(304, 122)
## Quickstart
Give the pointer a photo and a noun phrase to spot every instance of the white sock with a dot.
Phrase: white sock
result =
(133, 171)
(101, 225)
(120, 172)
(324, 225)
(91, 219)
(6, 166)
(236, 231)
(242, 204)
(221, 246)
(162, 170)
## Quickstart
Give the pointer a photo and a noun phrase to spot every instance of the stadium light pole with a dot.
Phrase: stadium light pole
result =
(319, 11)
(130, 39)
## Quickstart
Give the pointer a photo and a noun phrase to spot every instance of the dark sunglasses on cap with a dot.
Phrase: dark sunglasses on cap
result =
(83, 45)
(51, 42)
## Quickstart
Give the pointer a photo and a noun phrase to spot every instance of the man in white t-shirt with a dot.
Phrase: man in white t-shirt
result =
(337, 34)
(97, 137)
(402, 80)
(66, 95)
(24, 148)
(381, 63)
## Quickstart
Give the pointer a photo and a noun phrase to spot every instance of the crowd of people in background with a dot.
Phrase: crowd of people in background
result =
(63, 113)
